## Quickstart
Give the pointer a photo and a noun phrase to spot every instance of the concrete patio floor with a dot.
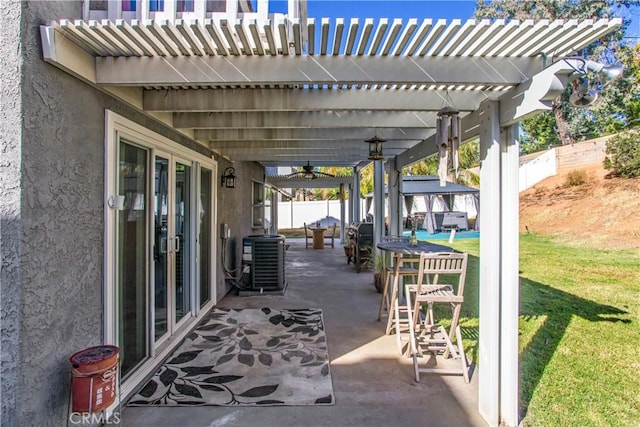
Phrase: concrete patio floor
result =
(373, 384)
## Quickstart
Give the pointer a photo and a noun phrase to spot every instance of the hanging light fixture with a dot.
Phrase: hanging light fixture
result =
(308, 172)
(228, 178)
(375, 147)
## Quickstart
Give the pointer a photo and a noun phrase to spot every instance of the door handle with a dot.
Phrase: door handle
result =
(163, 245)
(177, 240)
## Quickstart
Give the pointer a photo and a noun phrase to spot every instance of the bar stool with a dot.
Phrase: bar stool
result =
(429, 336)
(403, 266)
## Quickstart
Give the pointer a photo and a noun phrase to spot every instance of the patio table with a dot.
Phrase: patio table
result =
(318, 237)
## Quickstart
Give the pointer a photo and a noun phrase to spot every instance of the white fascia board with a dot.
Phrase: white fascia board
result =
(304, 69)
(61, 52)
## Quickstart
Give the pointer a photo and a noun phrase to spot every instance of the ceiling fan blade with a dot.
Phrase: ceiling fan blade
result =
(308, 172)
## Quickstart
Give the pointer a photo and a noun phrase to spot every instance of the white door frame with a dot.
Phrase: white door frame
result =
(117, 128)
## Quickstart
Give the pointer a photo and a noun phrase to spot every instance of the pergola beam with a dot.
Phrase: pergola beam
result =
(314, 119)
(305, 70)
(229, 100)
(528, 98)
(538, 92)
(328, 144)
(346, 153)
(275, 134)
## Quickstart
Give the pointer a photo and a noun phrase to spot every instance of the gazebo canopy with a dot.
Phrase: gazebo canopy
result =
(430, 184)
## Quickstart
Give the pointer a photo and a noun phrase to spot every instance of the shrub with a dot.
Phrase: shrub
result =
(623, 154)
(575, 177)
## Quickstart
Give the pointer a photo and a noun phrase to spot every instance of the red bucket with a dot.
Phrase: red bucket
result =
(94, 371)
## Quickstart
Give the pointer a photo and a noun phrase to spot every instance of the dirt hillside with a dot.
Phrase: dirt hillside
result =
(601, 212)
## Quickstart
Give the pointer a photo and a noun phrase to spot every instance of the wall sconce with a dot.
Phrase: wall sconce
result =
(375, 148)
(228, 178)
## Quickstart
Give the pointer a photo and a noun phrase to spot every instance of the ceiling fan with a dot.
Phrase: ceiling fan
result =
(307, 172)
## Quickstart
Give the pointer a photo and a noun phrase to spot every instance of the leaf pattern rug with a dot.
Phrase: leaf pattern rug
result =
(246, 357)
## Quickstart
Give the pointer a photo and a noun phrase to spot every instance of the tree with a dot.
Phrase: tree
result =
(539, 133)
(567, 124)
(619, 108)
(623, 154)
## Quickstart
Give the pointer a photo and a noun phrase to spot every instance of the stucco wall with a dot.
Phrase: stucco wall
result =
(61, 224)
(234, 209)
(52, 235)
(10, 136)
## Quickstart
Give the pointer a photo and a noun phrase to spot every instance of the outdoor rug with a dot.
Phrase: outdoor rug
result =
(246, 357)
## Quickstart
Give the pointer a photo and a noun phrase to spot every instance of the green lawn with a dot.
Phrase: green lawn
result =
(579, 332)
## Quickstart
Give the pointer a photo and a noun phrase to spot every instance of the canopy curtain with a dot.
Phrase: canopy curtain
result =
(445, 203)
(476, 204)
(429, 220)
(448, 200)
(369, 201)
(408, 205)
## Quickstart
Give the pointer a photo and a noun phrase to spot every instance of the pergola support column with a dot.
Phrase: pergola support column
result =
(342, 212)
(394, 186)
(355, 196)
(499, 301)
(509, 279)
(378, 201)
(273, 228)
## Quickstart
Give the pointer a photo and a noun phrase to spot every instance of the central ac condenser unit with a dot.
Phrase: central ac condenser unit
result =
(264, 257)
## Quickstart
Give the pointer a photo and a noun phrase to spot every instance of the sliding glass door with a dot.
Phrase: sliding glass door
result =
(173, 244)
(159, 244)
(131, 255)
(154, 302)
(205, 220)
(182, 238)
(161, 247)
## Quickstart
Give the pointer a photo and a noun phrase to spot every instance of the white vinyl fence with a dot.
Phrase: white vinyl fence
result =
(293, 214)
(538, 169)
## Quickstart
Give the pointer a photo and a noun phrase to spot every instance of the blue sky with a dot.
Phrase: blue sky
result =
(405, 9)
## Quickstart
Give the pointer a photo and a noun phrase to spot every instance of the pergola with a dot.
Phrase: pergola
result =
(285, 90)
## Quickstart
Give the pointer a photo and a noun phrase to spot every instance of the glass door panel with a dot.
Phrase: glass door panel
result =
(131, 255)
(204, 236)
(160, 247)
(182, 240)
